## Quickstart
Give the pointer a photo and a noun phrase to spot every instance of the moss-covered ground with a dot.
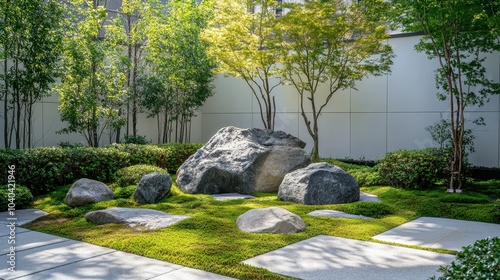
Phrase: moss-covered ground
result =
(211, 241)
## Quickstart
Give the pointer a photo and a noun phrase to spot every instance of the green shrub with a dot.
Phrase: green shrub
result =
(465, 198)
(132, 175)
(44, 169)
(367, 176)
(23, 198)
(412, 168)
(478, 261)
(138, 139)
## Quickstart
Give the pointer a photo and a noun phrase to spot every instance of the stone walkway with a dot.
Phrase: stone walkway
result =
(48, 257)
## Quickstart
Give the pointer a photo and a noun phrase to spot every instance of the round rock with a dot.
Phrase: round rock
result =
(153, 188)
(319, 183)
(85, 191)
(270, 220)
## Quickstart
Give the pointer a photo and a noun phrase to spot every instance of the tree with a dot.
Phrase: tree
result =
(30, 42)
(242, 36)
(333, 43)
(128, 29)
(181, 71)
(91, 88)
(457, 33)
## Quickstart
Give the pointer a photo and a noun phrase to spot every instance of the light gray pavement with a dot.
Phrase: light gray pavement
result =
(440, 233)
(48, 257)
(231, 196)
(330, 258)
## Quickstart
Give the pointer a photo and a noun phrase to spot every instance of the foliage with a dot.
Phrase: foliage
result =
(181, 70)
(23, 197)
(30, 44)
(132, 175)
(457, 34)
(412, 168)
(91, 91)
(332, 43)
(211, 241)
(44, 169)
(364, 175)
(368, 209)
(478, 261)
(496, 211)
(242, 36)
(138, 139)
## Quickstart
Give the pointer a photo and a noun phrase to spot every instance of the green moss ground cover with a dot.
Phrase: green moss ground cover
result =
(211, 241)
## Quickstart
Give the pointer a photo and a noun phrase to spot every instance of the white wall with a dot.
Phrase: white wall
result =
(384, 113)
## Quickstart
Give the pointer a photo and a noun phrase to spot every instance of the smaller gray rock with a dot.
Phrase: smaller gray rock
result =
(133, 217)
(153, 188)
(271, 220)
(85, 191)
(319, 183)
(337, 214)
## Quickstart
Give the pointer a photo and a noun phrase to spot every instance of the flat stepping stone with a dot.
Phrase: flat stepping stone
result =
(133, 217)
(337, 214)
(440, 233)
(231, 196)
(328, 257)
(368, 197)
(21, 217)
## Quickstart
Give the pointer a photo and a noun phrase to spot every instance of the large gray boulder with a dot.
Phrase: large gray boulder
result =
(242, 161)
(271, 220)
(85, 191)
(134, 217)
(153, 188)
(319, 183)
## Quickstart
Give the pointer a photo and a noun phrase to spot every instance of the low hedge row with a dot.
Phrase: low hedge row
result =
(43, 169)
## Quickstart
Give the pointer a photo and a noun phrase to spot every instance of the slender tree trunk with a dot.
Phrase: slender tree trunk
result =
(6, 104)
(18, 101)
(134, 92)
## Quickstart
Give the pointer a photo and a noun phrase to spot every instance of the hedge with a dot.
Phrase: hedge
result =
(43, 169)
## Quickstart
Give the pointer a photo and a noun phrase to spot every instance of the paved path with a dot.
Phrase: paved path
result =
(330, 258)
(440, 233)
(48, 257)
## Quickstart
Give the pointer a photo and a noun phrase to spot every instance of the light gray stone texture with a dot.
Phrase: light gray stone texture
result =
(271, 220)
(231, 196)
(368, 197)
(337, 214)
(242, 161)
(328, 257)
(85, 191)
(153, 188)
(134, 217)
(319, 183)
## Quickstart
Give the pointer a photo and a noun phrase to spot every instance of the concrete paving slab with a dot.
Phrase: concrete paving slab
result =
(28, 239)
(231, 196)
(115, 265)
(22, 216)
(46, 257)
(440, 233)
(368, 197)
(337, 214)
(187, 273)
(329, 258)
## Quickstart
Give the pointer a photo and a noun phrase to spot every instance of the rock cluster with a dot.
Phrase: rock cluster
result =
(242, 161)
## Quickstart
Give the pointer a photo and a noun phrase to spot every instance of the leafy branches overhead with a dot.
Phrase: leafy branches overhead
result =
(329, 42)
(242, 36)
(457, 34)
(91, 88)
(29, 50)
(181, 71)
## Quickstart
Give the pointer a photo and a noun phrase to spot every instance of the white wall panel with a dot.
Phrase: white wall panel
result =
(213, 122)
(370, 96)
(368, 135)
(232, 96)
(487, 142)
(407, 130)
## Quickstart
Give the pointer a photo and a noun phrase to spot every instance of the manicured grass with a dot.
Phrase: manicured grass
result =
(211, 241)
